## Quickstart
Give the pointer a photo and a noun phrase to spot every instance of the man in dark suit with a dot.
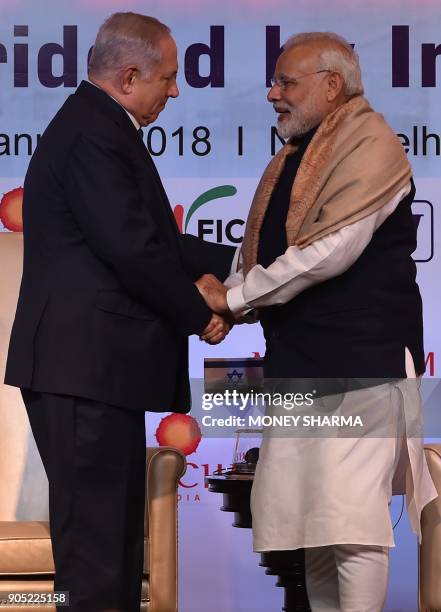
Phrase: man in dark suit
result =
(107, 302)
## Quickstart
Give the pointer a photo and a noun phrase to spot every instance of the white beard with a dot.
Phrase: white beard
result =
(299, 123)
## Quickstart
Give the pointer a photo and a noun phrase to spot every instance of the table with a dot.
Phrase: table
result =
(287, 565)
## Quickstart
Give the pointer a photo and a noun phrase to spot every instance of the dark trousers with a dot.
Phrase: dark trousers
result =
(94, 457)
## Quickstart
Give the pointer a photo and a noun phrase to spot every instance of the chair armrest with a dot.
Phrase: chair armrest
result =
(165, 467)
(429, 575)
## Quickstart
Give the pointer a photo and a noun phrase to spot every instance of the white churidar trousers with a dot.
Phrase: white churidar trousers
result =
(347, 578)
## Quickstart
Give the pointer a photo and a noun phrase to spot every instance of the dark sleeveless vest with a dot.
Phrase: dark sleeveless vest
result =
(355, 325)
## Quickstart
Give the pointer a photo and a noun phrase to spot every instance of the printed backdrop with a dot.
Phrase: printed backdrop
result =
(210, 146)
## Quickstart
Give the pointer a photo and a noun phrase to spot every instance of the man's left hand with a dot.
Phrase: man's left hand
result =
(216, 330)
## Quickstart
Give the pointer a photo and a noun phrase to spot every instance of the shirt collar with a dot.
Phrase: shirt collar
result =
(131, 117)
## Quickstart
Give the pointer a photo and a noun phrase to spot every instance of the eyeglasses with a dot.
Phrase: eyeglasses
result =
(284, 83)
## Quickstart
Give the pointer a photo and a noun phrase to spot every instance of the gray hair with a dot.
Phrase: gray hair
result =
(124, 39)
(335, 53)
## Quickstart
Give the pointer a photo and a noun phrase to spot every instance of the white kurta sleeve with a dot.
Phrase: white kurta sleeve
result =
(297, 269)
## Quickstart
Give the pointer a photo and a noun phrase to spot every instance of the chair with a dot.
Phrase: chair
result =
(429, 557)
(26, 563)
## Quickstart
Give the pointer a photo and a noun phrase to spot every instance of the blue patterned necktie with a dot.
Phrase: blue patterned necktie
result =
(141, 134)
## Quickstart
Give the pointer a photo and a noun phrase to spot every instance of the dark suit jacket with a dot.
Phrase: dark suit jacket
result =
(107, 298)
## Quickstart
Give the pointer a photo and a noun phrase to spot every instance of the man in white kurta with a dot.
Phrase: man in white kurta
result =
(342, 280)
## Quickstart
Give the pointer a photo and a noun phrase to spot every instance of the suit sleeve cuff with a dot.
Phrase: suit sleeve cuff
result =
(203, 321)
(236, 302)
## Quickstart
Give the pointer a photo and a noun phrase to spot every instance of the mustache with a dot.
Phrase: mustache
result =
(282, 109)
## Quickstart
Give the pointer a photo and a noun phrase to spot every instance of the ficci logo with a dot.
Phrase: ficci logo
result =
(207, 227)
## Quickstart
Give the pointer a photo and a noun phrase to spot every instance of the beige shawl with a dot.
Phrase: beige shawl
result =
(352, 167)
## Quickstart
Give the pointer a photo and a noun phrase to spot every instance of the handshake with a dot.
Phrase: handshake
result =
(215, 294)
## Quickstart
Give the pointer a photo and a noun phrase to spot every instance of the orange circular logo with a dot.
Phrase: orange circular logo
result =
(11, 206)
(179, 431)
